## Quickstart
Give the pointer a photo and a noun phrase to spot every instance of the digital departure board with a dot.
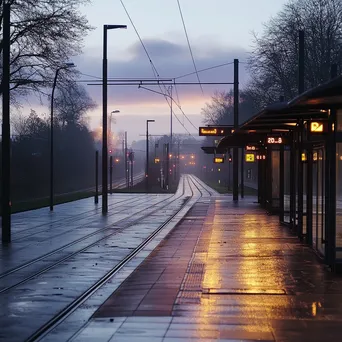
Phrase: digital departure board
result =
(218, 160)
(274, 140)
(215, 131)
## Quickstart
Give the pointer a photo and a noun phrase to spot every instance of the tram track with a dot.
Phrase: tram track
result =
(63, 314)
(71, 219)
(75, 277)
(129, 223)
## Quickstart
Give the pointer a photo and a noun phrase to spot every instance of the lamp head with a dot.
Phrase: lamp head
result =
(115, 111)
(113, 27)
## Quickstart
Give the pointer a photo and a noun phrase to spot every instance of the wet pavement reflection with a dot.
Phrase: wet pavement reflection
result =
(227, 272)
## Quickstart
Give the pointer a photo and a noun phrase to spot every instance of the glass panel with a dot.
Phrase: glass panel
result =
(286, 186)
(314, 198)
(320, 202)
(296, 187)
(339, 195)
(275, 178)
(339, 120)
(305, 170)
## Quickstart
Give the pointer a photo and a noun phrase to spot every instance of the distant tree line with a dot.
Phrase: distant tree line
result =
(46, 34)
(273, 63)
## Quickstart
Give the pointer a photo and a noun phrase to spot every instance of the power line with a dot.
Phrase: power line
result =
(142, 43)
(187, 38)
(172, 99)
(210, 68)
(97, 77)
(154, 69)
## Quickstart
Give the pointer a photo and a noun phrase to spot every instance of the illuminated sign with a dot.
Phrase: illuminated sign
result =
(218, 160)
(318, 127)
(315, 156)
(261, 156)
(274, 140)
(304, 157)
(156, 160)
(215, 131)
(251, 148)
(250, 157)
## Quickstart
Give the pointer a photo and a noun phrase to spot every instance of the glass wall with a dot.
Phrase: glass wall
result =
(320, 202)
(304, 159)
(339, 201)
(287, 188)
(275, 178)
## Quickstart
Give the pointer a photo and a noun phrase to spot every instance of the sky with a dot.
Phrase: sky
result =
(218, 30)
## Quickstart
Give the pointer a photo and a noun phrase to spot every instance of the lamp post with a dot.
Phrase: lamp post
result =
(146, 173)
(6, 126)
(104, 118)
(169, 95)
(64, 66)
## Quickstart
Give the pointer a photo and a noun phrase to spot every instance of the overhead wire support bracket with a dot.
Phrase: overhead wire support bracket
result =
(149, 83)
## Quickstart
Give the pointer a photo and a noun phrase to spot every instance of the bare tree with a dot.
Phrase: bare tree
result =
(72, 103)
(44, 34)
(220, 111)
(273, 64)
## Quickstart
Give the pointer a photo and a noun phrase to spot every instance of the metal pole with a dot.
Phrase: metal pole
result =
(96, 177)
(51, 141)
(6, 138)
(104, 126)
(146, 173)
(236, 126)
(301, 64)
(132, 159)
(242, 173)
(111, 174)
(171, 121)
(167, 174)
(126, 162)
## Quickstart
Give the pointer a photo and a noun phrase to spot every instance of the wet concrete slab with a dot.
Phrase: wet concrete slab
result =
(43, 296)
(227, 272)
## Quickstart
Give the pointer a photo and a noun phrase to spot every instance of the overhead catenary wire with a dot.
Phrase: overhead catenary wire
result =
(172, 99)
(206, 69)
(190, 49)
(154, 69)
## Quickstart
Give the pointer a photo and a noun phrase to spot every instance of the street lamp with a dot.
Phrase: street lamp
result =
(146, 174)
(64, 66)
(104, 118)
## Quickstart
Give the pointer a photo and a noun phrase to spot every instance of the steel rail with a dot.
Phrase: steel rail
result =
(47, 268)
(63, 314)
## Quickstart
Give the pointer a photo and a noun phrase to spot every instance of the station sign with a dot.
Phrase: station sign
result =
(261, 156)
(156, 160)
(215, 131)
(276, 140)
(250, 157)
(251, 148)
(304, 158)
(218, 160)
(318, 127)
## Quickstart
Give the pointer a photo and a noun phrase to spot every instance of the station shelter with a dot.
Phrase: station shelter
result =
(298, 145)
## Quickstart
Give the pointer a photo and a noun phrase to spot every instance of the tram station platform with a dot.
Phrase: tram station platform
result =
(227, 272)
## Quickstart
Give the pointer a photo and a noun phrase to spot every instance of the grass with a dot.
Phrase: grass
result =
(65, 198)
(45, 202)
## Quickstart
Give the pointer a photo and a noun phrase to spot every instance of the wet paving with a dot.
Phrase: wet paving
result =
(227, 272)
(56, 257)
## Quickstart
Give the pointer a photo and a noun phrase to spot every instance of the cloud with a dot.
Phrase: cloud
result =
(170, 60)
